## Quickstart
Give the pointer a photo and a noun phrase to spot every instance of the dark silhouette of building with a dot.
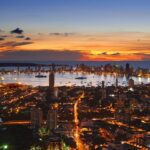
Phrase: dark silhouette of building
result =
(103, 91)
(103, 84)
(36, 117)
(51, 80)
(127, 68)
(52, 119)
(51, 88)
(116, 82)
(131, 83)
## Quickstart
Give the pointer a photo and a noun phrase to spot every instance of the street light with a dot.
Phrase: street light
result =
(3, 147)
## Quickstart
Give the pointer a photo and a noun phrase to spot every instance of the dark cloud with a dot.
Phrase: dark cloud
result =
(20, 36)
(27, 38)
(104, 53)
(2, 39)
(61, 34)
(16, 31)
(113, 54)
(40, 55)
(14, 44)
(57, 34)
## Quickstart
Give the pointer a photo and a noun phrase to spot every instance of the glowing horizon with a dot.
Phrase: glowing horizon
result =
(105, 31)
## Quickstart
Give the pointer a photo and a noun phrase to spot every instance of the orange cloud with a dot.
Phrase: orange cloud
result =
(102, 46)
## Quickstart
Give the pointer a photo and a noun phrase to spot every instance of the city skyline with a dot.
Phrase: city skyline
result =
(74, 74)
(83, 30)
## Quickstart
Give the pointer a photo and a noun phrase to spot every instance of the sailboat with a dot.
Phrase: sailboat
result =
(40, 75)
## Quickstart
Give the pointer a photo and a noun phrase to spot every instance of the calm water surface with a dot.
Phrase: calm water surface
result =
(68, 79)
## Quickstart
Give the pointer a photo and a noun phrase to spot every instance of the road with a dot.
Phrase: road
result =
(80, 144)
(16, 122)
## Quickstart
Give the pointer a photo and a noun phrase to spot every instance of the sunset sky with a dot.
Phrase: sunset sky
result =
(95, 30)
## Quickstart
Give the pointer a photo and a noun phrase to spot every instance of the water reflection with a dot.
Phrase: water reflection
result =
(68, 79)
(139, 79)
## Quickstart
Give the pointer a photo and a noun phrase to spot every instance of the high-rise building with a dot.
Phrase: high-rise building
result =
(103, 93)
(116, 82)
(51, 80)
(131, 83)
(103, 90)
(56, 92)
(52, 119)
(127, 68)
(103, 84)
(51, 89)
(36, 117)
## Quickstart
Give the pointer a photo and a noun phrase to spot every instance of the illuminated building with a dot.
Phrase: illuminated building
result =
(52, 119)
(56, 92)
(54, 143)
(36, 117)
(144, 141)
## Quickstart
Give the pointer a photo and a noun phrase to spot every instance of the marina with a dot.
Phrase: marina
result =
(69, 79)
